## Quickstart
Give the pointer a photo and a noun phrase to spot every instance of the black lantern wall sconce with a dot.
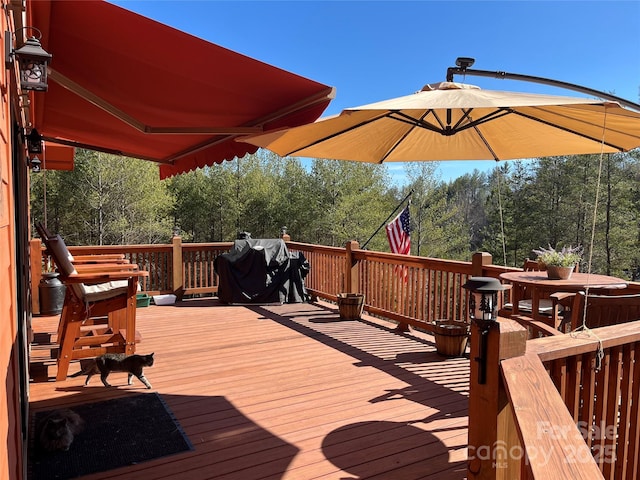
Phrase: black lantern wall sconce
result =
(34, 141)
(483, 311)
(34, 148)
(35, 164)
(32, 61)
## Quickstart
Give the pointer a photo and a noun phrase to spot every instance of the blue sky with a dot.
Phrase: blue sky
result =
(376, 50)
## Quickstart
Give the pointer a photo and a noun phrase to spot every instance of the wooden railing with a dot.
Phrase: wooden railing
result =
(598, 378)
(408, 289)
(329, 273)
(564, 406)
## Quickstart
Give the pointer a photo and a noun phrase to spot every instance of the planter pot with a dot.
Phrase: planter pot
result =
(142, 300)
(350, 305)
(451, 337)
(559, 273)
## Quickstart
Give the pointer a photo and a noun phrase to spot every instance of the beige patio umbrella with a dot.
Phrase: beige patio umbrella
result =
(454, 121)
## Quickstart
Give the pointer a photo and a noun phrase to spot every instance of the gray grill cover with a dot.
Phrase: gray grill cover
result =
(261, 271)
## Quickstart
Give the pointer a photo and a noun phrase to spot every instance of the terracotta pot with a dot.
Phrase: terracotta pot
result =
(559, 273)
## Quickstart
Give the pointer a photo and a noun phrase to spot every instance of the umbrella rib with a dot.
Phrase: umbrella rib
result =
(569, 130)
(447, 129)
(466, 114)
(486, 143)
(501, 112)
(416, 123)
(336, 134)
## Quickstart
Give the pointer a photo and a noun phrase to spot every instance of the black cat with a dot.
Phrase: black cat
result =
(58, 429)
(117, 362)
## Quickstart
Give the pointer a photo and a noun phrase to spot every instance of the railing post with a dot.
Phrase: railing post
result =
(478, 261)
(178, 271)
(494, 446)
(352, 277)
(35, 254)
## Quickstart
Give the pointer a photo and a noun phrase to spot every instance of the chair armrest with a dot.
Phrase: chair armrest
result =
(102, 276)
(564, 298)
(98, 258)
(89, 256)
(106, 267)
(106, 258)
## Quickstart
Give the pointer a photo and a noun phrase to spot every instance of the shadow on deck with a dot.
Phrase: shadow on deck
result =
(287, 392)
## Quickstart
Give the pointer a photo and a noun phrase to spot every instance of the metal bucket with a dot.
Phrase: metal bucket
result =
(51, 291)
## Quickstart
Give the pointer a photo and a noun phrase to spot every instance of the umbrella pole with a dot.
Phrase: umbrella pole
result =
(388, 218)
(463, 70)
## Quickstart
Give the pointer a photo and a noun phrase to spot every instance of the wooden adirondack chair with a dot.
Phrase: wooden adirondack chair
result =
(45, 234)
(97, 293)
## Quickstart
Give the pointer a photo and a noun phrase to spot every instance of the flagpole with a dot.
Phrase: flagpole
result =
(388, 218)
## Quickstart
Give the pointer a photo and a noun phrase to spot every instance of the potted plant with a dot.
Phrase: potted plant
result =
(559, 264)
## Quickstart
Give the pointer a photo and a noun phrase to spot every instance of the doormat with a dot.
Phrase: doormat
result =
(119, 432)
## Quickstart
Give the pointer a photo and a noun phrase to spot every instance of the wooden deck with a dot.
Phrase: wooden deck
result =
(286, 392)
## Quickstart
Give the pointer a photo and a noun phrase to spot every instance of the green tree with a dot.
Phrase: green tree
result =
(104, 200)
(192, 194)
(115, 200)
(350, 200)
(468, 194)
(438, 223)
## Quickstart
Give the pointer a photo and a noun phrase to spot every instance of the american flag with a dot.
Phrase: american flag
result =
(399, 233)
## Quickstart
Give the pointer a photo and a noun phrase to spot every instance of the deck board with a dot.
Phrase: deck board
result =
(286, 392)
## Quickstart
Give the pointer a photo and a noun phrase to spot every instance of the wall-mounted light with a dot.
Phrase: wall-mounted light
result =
(32, 61)
(34, 141)
(35, 164)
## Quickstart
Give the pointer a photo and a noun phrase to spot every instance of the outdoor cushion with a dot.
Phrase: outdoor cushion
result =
(544, 306)
(103, 291)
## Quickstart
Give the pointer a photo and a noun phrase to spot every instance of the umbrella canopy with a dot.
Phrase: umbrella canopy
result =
(454, 121)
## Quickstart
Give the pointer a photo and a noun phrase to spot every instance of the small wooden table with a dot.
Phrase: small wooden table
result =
(538, 284)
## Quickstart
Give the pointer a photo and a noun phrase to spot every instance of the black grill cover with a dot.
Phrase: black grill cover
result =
(261, 271)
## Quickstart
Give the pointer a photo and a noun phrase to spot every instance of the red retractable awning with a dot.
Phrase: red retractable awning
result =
(125, 84)
(57, 157)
